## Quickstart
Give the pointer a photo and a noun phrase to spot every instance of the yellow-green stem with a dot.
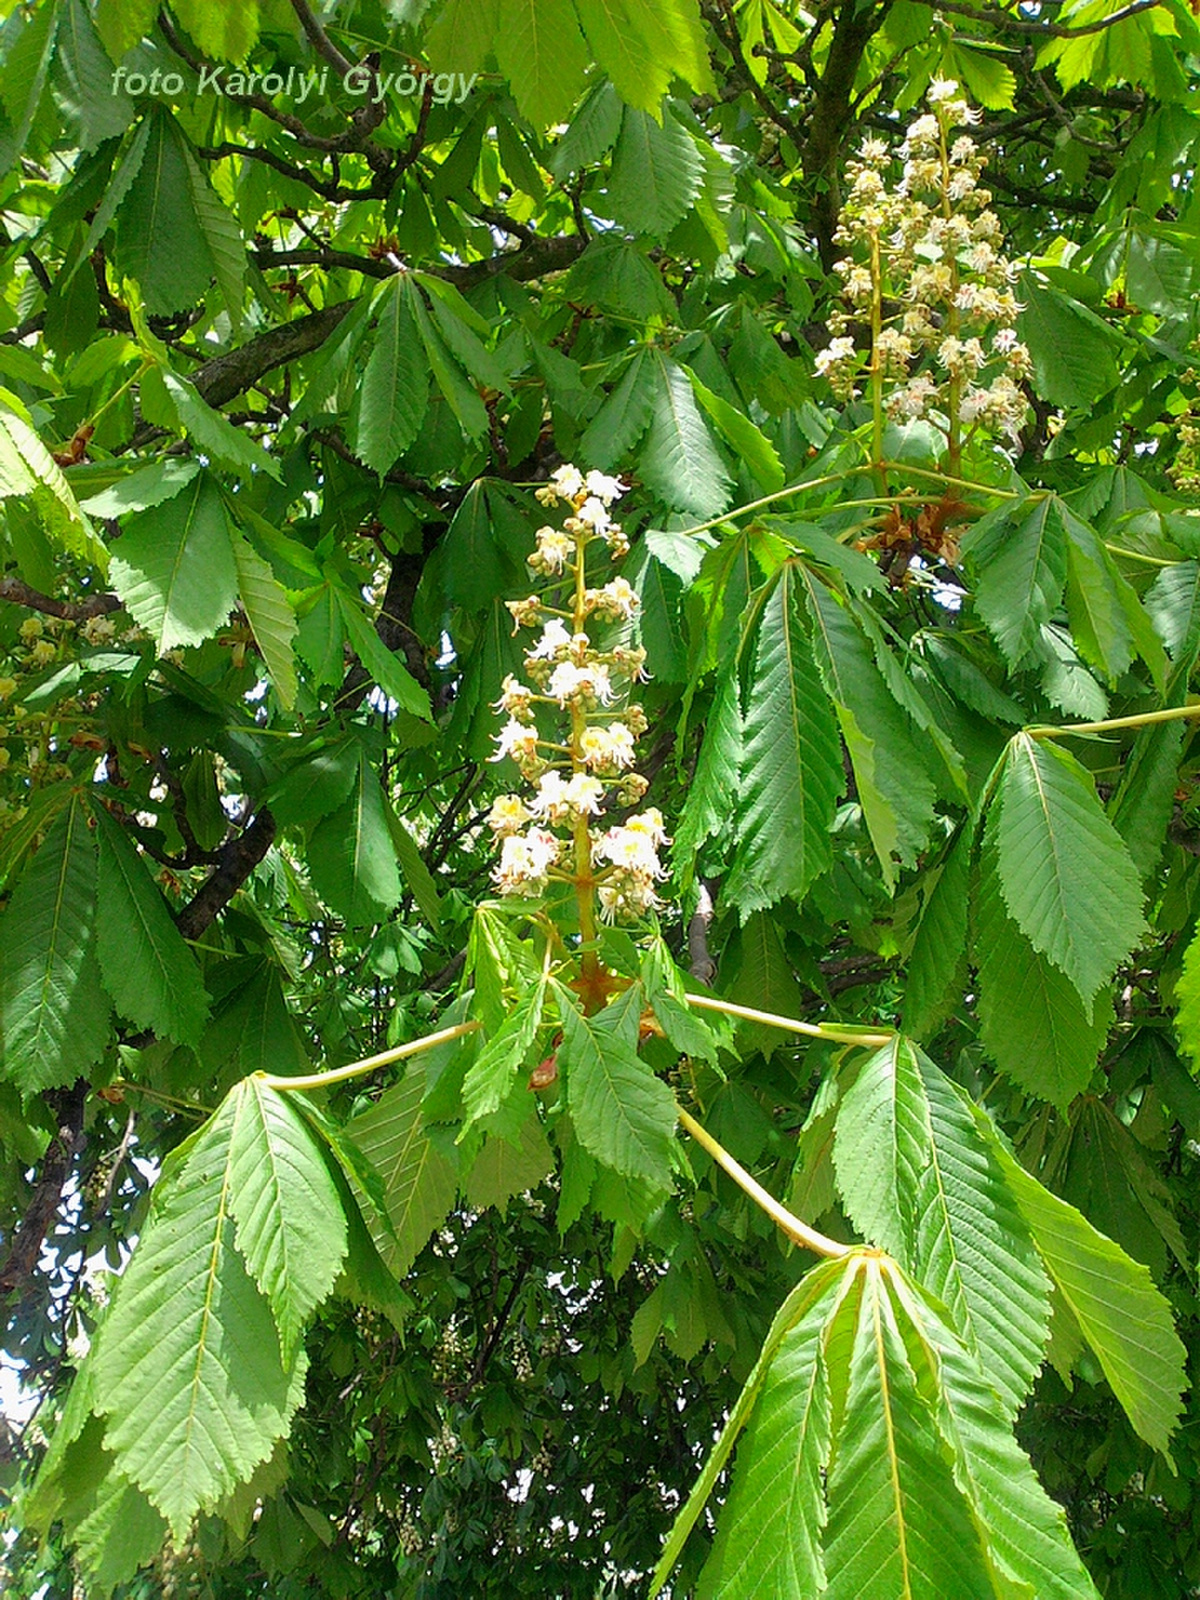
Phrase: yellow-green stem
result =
(357, 1069)
(877, 364)
(871, 1039)
(1143, 719)
(585, 885)
(798, 1232)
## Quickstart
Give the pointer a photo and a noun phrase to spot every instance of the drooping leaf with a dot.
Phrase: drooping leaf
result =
(174, 567)
(419, 1182)
(744, 438)
(623, 1114)
(542, 53)
(1032, 1021)
(1119, 1310)
(147, 968)
(271, 617)
(53, 1007)
(1065, 874)
(1073, 350)
(189, 1369)
(791, 767)
(623, 418)
(679, 460)
(351, 856)
(388, 671)
(492, 1074)
(657, 173)
(714, 787)
(505, 1168)
(289, 1221)
(1021, 557)
(939, 947)
(394, 393)
(898, 1523)
(919, 1181)
(891, 767)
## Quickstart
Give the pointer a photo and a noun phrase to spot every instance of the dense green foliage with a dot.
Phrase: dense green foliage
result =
(833, 889)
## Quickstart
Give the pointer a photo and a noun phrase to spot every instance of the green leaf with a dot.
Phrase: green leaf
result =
(460, 326)
(1024, 1533)
(147, 967)
(52, 1005)
(160, 238)
(1066, 876)
(898, 1524)
(629, 50)
(419, 1182)
(748, 443)
(811, 1300)
(1021, 560)
(1187, 1000)
(386, 668)
(1072, 349)
(271, 617)
(28, 468)
(791, 762)
(350, 855)
(938, 949)
(493, 1074)
(623, 418)
(769, 1533)
(188, 1368)
(714, 787)
(623, 1114)
(253, 1030)
(891, 768)
(289, 1221)
(920, 1182)
(422, 885)
(1032, 1022)
(174, 568)
(1121, 1314)
(462, 34)
(461, 396)
(657, 173)
(541, 52)
(679, 461)
(592, 133)
(83, 79)
(391, 402)
(502, 1170)
(212, 432)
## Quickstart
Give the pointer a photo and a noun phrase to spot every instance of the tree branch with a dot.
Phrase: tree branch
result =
(21, 594)
(57, 1165)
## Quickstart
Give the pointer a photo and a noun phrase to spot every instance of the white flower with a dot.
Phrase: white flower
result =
(554, 547)
(516, 740)
(607, 747)
(525, 860)
(649, 823)
(554, 638)
(566, 483)
(941, 89)
(508, 814)
(604, 488)
(616, 600)
(591, 682)
(584, 794)
(515, 700)
(834, 353)
(594, 513)
(550, 804)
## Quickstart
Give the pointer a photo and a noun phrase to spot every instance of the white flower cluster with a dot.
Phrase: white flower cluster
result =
(931, 244)
(573, 777)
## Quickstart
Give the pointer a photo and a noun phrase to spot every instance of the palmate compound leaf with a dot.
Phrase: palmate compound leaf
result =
(175, 572)
(1065, 874)
(791, 773)
(271, 617)
(918, 1180)
(1021, 560)
(289, 1221)
(188, 1366)
(1122, 1315)
(147, 967)
(492, 1074)
(623, 1114)
(53, 1009)
(877, 1453)
(419, 1182)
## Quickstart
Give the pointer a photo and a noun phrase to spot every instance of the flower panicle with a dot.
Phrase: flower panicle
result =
(925, 252)
(555, 831)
